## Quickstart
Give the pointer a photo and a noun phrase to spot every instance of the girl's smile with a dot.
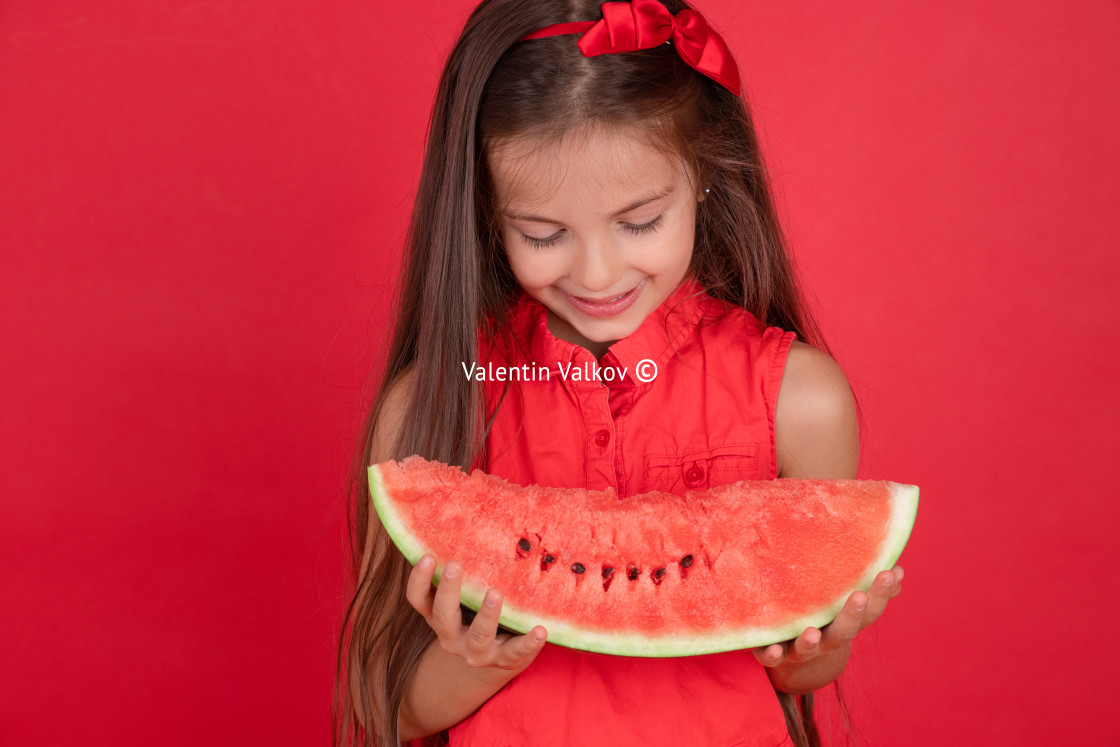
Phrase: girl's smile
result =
(607, 307)
(598, 227)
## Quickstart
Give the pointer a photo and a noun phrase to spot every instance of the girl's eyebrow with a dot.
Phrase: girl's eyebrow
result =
(643, 199)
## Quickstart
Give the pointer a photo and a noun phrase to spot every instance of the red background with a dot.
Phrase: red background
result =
(201, 206)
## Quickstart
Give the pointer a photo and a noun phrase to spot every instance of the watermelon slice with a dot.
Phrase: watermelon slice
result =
(656, 574)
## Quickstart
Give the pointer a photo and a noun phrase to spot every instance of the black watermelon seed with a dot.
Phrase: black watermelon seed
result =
(549, 559)
(633, 573)
(658, 574)
(524, 545)
(686, 561)
(608, 576)
(578, 568)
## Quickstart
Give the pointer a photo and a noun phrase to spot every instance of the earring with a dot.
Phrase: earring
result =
(706, 191)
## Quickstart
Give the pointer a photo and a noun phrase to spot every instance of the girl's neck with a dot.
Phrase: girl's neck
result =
(564, 331)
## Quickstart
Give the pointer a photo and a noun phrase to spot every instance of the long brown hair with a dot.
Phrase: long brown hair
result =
(455, 279)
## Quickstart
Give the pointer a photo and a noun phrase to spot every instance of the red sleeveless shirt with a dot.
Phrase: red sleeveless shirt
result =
(705, 418)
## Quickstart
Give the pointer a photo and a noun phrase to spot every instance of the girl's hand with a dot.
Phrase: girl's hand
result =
(479, 645)
(858, 612)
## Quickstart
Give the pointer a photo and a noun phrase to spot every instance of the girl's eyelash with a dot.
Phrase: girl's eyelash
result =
(540, 243)
(653, 225)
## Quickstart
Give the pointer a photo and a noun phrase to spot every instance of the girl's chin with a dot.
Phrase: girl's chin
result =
(586, 333)
(599, 334)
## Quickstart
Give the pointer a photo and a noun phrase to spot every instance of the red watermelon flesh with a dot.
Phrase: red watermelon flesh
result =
(656, 574)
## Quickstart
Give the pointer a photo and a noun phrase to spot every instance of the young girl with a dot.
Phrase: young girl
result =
(592, 197)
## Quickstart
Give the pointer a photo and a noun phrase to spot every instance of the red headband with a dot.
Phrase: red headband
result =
(644, 24)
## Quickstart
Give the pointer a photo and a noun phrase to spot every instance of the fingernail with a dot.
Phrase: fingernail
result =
(450, 571)
(888, 581)
(538, 637)
(425, 563)
(491, 600)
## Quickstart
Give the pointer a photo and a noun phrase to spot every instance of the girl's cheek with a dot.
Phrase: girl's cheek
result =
(530, 261)
(530, 271)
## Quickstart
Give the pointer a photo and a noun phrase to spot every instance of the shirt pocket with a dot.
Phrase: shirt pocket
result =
(702, 468)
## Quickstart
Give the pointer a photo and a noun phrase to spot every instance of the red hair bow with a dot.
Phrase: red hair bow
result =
(644, 24)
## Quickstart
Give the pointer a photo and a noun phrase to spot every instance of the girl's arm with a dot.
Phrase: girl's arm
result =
(445, 691)
(816, 437)
(815, 418)
(446, 687)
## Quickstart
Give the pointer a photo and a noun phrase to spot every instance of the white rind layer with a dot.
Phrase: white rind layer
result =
(904, 508)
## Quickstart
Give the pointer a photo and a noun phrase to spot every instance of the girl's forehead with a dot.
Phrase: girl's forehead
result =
(528, 171)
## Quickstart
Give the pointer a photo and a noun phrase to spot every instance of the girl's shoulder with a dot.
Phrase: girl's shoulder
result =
(391, 415)
(724, 325)
(815, 425)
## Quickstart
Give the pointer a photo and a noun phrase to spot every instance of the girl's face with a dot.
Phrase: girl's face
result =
(598, 228)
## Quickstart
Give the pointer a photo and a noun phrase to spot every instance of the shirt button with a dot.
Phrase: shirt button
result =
(694, 476)
(603, 438)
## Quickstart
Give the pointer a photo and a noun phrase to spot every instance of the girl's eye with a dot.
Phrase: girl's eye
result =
(536, 243)
(541, 243)
(653, 225)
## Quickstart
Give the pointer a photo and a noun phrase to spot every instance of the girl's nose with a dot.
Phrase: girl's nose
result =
(596, 267)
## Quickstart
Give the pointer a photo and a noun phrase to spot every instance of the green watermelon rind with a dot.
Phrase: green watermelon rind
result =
(904, 508)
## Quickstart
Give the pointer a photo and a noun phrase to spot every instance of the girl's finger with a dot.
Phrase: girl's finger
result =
(419, 591)
(771, 656)
(807, 644)
(517, 652)
(883, 589)
(479, 644)
(848, 623)
(447, 619)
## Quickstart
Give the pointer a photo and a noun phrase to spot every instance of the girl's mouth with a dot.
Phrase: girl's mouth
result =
(607, 306)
